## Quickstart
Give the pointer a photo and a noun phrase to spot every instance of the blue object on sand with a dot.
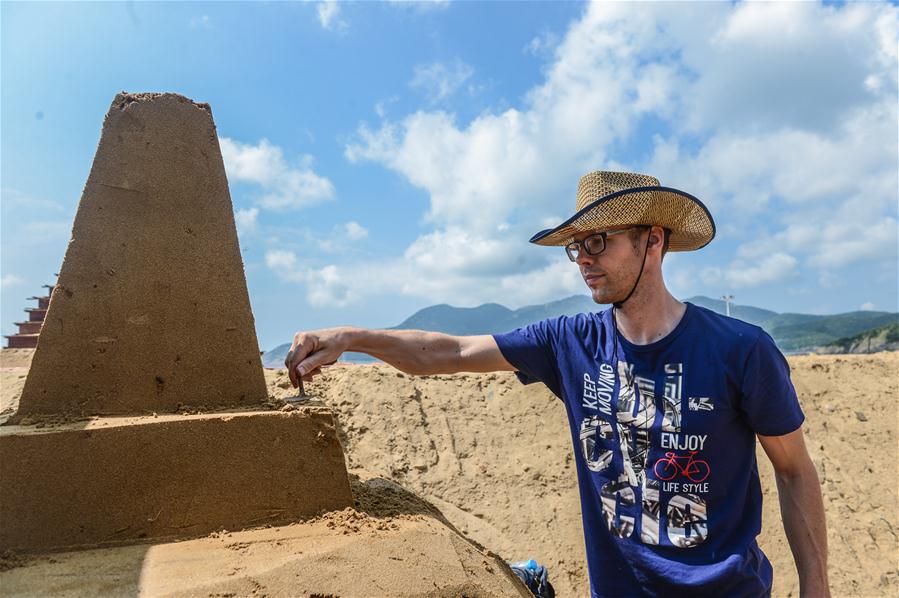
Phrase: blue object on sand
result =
(535, 577)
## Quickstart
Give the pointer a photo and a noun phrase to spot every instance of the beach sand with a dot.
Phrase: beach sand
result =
(495, 457)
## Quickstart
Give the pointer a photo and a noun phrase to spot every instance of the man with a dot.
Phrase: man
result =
(664, 400)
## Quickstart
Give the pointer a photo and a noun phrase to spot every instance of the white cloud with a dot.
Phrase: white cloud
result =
(329, 15)
(543, 44)
(44, 232)
(281, 261)
(680, 278)
(841, 242)
(341, 285)
(438, 81)
(324, 286)
(557, 279)
(341, 240)
(527, 160)
(202, 21)
(246, 220)
(744, 171)
(354, 231)
(776, 267)
(775, 64)
(780, 116)
(829, 280)
(13, 198)
(420, 5)
(457, 252)
(773, 268)
(10, 280)
(867, 306)
(285, 186)
(381, 107)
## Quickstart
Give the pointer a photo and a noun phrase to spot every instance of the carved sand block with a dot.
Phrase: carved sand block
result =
(151, 308)
(151, 313)
(119, 480)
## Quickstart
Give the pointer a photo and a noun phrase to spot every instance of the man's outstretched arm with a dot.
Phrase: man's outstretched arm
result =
(412, 351)
(801, 508)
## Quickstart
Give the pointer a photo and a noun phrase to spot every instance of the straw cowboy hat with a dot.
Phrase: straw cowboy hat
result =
(608, 200)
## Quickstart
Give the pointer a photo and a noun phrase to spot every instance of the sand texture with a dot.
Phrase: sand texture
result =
(151, 308)
(117, 480)
(392, 544)
(495, 457)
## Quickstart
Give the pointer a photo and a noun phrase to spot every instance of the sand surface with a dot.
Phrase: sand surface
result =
(495, 457)
(392, 544)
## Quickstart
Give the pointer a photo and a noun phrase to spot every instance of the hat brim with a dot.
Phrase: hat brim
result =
(689, 221)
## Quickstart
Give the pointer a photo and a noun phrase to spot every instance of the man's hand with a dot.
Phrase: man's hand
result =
(310, 351)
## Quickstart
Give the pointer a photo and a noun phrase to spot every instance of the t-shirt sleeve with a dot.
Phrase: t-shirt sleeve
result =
(531, 350)
(768, 398)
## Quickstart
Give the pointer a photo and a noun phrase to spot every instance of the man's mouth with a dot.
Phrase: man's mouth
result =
(591, 278)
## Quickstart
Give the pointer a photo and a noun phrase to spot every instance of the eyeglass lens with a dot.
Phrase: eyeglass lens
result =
(594, 245)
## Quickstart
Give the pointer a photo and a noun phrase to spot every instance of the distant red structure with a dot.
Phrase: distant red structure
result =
(26, 337)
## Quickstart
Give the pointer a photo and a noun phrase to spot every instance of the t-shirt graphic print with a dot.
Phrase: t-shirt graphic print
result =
(664, 439)
(680, 471)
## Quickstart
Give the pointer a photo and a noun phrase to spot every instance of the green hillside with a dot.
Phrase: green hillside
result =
(797, 331)
(882, 338)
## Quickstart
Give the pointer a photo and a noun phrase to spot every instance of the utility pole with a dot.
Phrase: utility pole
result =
(728, 299)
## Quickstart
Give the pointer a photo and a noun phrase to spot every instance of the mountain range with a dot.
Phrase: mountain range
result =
(793, 333)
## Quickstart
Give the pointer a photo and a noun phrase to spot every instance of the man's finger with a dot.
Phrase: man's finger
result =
(287, 359)
(312, 362)
(309, 377)
(305, 350)
(293, 356)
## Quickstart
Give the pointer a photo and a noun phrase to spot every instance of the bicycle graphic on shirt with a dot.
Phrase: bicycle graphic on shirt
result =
(695, 470)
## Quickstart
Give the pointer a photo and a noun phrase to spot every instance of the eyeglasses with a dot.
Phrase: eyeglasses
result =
(594, 244)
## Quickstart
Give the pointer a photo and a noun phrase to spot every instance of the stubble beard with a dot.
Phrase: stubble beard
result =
(606, 293)
(615, 286)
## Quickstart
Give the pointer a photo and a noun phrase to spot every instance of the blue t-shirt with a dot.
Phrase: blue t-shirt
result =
(664, 439)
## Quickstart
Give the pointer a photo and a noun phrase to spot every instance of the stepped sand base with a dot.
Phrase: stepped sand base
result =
(395, 545)
(126, 479)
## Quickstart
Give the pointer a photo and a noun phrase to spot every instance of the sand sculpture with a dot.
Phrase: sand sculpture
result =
(150, 318)
(30, 329)
(151, 308)
(103, 464)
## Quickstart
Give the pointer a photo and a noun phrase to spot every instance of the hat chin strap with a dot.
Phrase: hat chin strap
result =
(618, 304)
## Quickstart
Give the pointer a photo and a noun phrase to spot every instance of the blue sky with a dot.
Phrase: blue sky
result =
(384, 157)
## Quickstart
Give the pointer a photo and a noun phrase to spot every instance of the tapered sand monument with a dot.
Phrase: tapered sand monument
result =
(151, 307)
(151, 314)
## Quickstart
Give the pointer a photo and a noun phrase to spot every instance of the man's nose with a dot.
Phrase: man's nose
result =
(584, 258)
